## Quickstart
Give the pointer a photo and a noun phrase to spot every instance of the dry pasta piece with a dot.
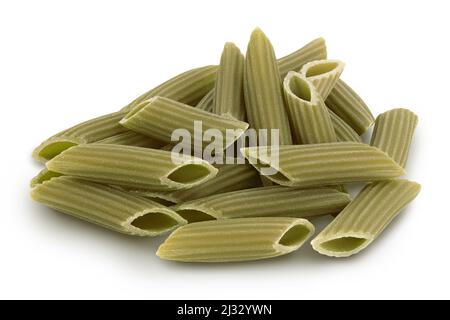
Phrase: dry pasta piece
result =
(363, 220)
(131, 138)
(229, 94)
(263, 90)
(188, 87)
(349, 106)
(323, 74)
(275, 201)
(393, 133)
(158, 117)
(105, 206)
(312, 165)
(343, 131)
(236, 239)
(132, 167)
(308, 115)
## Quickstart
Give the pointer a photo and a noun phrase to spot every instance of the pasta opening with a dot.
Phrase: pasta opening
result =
(321, 68)
(53, 149)
(300, 88)
(295, 236)
(343, 244)
(275, 177)
(189, 173)
(191, 215)
(162, 201)
(43, 176)
(154, 222)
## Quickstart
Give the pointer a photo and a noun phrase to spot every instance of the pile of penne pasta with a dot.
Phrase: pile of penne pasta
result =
(117, 170)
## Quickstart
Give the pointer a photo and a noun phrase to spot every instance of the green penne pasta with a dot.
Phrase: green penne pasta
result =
(308, 115)
(362, 221)
(393, 133)
(229, 177)
(188, 87)
(207, 102)
(262, 88)
(131, 138)
(312, 165)
(343, 131)
(229, 94)
(132, 167)
(236, 239)
(315, 50)
(276, 201)
(323, 74)
(86, 132)
(346, 103)
(106, 206)
(158, 117)
(42, 176)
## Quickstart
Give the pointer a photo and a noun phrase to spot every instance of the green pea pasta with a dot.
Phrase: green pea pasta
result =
(262, 88)
(86, 132)
(236, 239)
(158, 117)
(323, 74)
(42, 176)
(230, 177)
(132, 167)
(349, 106)
(131, 138)
(309, 117)
(275, 201)
(363, 220)
(188, 87)
(342, 130)
(105, 206)
(312, 165)
(229, 94)
(314, 50)
(393, 133)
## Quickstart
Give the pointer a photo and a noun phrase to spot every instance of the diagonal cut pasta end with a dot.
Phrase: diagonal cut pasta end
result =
(342, 245)
(153, 222)
(294, 236)
(50, 148)
(190, 173)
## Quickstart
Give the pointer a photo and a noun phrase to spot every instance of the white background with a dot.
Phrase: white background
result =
(62, 62)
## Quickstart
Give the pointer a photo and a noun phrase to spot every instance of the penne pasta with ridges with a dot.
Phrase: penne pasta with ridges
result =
(275, 201)
(236, 239)
(207, 102)
(263, 90)
(343, 131)
(393, 133)
(132, 167)
(349, 106)
(308, 115)
(325, 164)
(229, 94)
(106, 206)
(158, 117)
(131, 138)
(188, 87)
(363, 220)
(323, 74)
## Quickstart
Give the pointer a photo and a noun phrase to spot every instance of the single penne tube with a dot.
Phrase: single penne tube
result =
(207, 102)
(131, 138)
(106, 206)
(263, 90)
(275, 201)
(229, 94)
(158, 117)
(188, 87)
(308, 115)
(86, 132)
(230, 177)
(314, 50)
(236, 239)
(343, 131)
(312, 165)
(349, 106)
(132, 167)
(363, 220)
(393, 133)
(323, 74)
